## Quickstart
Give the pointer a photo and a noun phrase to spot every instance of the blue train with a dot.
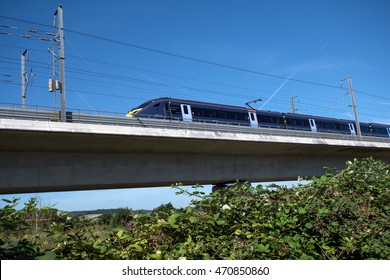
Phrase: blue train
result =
(194, 111)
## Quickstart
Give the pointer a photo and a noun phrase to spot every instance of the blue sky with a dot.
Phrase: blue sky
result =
(117, 61)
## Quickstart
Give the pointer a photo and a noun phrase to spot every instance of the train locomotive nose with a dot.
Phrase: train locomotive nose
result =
(131, 113)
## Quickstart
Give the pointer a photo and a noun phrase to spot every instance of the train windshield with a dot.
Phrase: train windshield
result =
(143, 105)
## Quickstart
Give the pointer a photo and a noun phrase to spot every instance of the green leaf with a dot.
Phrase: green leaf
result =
(306, 257)
(120, 233)
(301, 210)
(172, 220)
(323, 211)
(293, 244)
(334, 224)
(49, 255)
(137, 248)
(193, 219)
(326, 248)
(309, 225)
(263, 248)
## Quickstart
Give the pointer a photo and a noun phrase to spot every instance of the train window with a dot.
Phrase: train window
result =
(232, 115)
(185, 107)
(265, 119)
(343, 127)
(242, 116)
(380, 130)
(326, 125)
(156, 105)
(221, 114)
(305, 123)
(291, 121)
(269, 119)
(175, 110)
(365, 129)
(143, 105)
(197, 112)
(298, 122)
(210, 113)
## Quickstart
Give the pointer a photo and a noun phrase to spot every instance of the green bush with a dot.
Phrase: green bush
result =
(341, 215)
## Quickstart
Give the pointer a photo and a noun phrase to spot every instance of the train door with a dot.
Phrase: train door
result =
(186, 112)
(313, 125)
(352, 129)
(388, 131)
(253, 118)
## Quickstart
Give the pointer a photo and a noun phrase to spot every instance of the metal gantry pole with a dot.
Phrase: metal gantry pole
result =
(354, 107)
(23, 77)
(61, 57)
(357, 124)
(292, 104)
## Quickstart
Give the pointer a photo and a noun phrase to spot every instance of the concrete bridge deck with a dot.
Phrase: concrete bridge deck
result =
(41, 156)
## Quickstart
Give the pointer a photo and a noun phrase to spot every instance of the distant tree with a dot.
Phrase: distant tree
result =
(105, 219)
(122, 217)
(164, 208)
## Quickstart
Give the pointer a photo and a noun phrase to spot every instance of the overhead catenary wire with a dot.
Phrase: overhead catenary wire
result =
(192, 58)
(28, 33)
(148, 71)
(147, 82)
(180, 56)
(312, 107)
(141, 81)
(41, 65)
(160, 84)
(195, 60)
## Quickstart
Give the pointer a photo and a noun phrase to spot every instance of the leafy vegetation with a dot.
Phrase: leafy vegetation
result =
(342, 215)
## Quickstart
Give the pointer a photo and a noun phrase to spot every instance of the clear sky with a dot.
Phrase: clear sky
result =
(122, 53)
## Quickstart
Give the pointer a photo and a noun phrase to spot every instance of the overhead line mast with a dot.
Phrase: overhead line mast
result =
(23, 77)
(26, 79)
(292, 104)
(359, 133)
(59, 14)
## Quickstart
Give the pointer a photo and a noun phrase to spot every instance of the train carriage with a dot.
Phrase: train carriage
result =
(194, 111)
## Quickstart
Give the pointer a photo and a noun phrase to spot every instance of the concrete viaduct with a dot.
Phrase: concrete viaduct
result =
(45, 156)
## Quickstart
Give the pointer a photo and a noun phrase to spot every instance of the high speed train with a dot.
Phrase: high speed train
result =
(194, 111)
